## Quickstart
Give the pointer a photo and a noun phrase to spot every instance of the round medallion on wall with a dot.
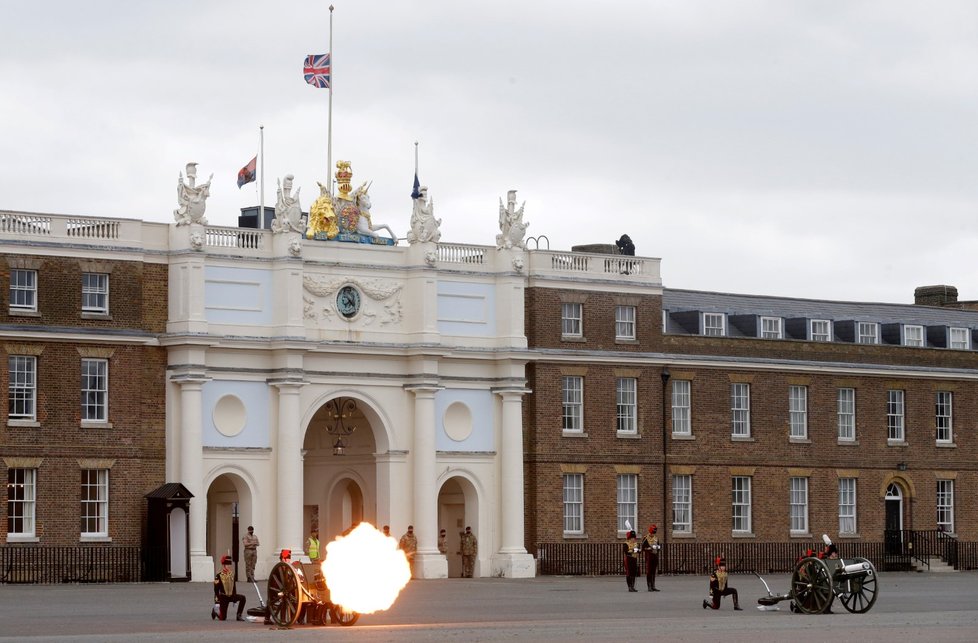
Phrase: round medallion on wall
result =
(230, 415)
(458, 421)
(348, 302)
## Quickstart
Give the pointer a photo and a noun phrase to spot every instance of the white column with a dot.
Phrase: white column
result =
(428, 562)
(192, 473)
(512, 560)
(288, 451)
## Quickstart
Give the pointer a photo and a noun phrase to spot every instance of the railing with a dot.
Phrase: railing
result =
(966, 555)
(93, 228)
(248, 238)
(596, 559)
(923, 543)
(82, 564)
(456, 253)
(14, 223)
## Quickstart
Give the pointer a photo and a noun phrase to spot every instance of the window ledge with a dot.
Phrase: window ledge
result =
(854, 536)
(94, 539)
(626, 340)
(574, 434)
(28, 424)
(683, 534)
(800, 440)
(568, 536)
(94, 315)
(848, 443)
(573, 338)
(18, 538)
(683, 436)
(628, 435)
(897, 443)
(945, 445)
(94, 424)
(742, 438)
(742, 534)
(799, 534)
(17, 312)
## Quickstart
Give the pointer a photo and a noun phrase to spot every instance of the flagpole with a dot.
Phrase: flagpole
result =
(329, 136)
(415, 158)
(261, 174)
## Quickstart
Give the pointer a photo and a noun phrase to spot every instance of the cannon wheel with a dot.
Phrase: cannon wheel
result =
(859, 594)
(283, 595)
(811, 586)
(339, 615)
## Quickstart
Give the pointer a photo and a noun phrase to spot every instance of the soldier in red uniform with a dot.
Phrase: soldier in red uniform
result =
(651, 547)
(719, 587)
(225, 591)
(631, 550)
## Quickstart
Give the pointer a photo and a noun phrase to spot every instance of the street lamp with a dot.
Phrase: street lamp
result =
(339, 418)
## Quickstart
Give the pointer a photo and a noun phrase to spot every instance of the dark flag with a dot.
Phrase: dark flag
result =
(415, 194)
(247, 173)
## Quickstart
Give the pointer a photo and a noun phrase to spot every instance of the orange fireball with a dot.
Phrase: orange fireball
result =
(365, 571)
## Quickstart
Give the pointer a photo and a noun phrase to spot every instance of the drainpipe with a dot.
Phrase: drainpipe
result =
(665, 447)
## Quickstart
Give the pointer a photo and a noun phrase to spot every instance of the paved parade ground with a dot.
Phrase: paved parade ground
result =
(911, 607)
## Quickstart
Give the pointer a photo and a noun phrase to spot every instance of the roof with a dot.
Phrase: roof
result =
(169, 491)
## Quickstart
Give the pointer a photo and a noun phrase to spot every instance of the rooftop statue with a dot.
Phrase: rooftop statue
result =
(511, 226)
(192, 198)
(424, 225)
(288, 212)
(346, 216)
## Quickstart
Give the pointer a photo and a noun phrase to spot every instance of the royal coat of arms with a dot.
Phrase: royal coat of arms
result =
(346, 215)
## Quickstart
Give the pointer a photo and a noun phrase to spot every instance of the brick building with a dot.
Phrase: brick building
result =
(84, 301)
(733, 418)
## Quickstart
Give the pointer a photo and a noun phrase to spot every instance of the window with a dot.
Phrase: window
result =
(868, 333)
(95, 390)
(771, 328)
(627, 500)
(798, 411)
(847, 414)
(22, 388)
(570, 320)
(821, 330)
(943, 416)
(740, 410)
(913, 335)
(894, 415)
(95, 502)
(799, 505)
(573, 403)
(682, 504)
(95, 292)
(681, 420)
(573, 503)
(624, 322)
(23, 290)
(627, 405)
(741, 504)
(847, 505)
(959, 339)
(714, 324)
(945, 505)
(21, 501)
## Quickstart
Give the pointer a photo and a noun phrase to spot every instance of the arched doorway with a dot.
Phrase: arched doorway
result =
(893, 528)
(341, 484)
(229, 501)
(458, 508)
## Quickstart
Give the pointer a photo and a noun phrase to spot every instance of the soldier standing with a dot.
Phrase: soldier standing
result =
(409, 544)
(250, 543)
(631, 549)
(469, 547)
(651, 547)
(719, 587)
(443, 541)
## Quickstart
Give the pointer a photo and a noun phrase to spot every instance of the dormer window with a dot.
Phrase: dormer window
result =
(771, 328)
(714, 324)
(913, 335)
(959, 339)
(868, 333)
(820, 330)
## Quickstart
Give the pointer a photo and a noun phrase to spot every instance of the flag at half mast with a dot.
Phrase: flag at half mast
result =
(316, 70)
(247, 173)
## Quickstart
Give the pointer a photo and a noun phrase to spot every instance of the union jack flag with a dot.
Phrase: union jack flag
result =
(316, 70)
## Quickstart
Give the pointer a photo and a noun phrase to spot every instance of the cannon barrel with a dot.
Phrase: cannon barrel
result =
(855, 568)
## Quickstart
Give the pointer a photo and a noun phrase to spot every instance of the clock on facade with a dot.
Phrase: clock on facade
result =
(348, 301)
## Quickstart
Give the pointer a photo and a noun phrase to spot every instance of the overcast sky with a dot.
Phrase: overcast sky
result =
(824, 149)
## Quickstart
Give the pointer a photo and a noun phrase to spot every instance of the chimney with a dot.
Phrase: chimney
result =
(935, 296)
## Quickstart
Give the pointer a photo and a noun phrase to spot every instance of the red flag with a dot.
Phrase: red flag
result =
(247, 173)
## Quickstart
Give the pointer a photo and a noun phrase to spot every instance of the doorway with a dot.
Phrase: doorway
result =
(893, 530)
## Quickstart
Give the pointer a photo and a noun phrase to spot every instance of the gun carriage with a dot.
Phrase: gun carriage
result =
(815, 582)
(292, 594)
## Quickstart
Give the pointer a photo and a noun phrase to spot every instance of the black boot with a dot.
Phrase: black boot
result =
(705, 604)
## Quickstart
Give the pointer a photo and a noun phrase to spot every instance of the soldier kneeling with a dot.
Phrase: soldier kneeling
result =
(719, 587)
